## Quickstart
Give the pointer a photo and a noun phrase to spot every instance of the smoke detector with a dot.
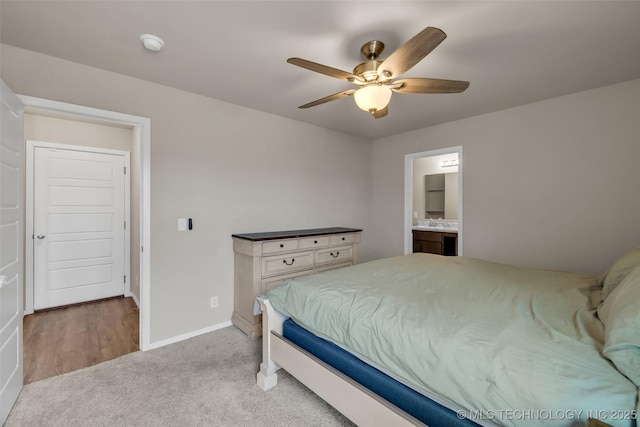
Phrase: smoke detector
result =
(151, 42)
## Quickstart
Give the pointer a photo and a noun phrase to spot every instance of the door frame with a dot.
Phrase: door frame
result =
(408, 194)
(142, 130)
(29, 213)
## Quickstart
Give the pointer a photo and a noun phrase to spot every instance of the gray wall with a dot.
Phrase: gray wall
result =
(231, 169)
(554, 184)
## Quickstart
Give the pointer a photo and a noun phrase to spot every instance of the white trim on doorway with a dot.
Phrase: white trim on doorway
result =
(29, 213)
(143, 127)
(408, 194)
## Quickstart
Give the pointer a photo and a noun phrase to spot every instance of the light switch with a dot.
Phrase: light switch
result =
(182, 224)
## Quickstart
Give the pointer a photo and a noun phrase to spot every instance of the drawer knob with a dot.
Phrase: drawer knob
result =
(343, 238)
(292, 261)
(282, 245)
(336, 255)
(315, 241)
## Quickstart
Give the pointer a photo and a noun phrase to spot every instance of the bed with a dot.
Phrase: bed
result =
(460, 341)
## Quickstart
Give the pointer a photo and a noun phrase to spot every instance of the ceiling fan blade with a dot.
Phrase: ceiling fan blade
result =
(323, 69)
(381, 113)
(422, 85)
(333, 97)
(412, 52)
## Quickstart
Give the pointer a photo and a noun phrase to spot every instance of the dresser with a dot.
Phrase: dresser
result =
(263, 260)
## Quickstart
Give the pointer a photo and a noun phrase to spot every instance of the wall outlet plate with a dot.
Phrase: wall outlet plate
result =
(214, 302)
(182, 224)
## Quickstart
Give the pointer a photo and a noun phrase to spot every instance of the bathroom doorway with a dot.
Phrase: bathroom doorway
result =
(438, 207)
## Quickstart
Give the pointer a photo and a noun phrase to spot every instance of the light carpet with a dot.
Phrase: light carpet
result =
(208, 380)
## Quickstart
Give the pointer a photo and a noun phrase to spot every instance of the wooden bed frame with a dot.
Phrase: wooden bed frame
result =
(353, 400)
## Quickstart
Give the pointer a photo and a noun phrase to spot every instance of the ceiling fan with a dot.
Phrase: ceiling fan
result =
(374, 77)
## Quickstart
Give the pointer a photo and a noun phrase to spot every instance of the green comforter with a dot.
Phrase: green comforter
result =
(508, 345)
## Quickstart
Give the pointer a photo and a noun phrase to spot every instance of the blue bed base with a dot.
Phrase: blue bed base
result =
(426, 410)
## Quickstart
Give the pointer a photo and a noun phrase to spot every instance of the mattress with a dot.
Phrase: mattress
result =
(506, 344)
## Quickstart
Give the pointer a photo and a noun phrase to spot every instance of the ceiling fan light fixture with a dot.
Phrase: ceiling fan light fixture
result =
(375, 75)
(372, 98)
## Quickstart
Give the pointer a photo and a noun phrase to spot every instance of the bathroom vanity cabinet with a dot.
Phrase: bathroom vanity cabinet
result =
(435, 242)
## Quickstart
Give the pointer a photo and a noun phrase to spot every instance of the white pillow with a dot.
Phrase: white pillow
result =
(618, 271)
(620, 313)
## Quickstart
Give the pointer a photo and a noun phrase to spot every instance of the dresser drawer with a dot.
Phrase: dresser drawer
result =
(314, 242)
(329, 255)
(273, 282)
(279, 246)
(333, 266)
(281, 264)
(339, 239)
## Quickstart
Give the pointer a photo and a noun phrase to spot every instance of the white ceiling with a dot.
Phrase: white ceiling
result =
(512, 52)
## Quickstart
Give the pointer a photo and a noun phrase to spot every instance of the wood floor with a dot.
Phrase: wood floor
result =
(74, 337)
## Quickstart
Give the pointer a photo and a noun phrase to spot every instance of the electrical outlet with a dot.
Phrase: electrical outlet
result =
(214, 302)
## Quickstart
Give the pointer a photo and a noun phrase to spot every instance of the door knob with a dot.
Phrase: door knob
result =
(40, 236)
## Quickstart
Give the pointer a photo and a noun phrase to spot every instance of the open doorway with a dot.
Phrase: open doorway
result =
(81, 240)
(427, 203)
(140, 209)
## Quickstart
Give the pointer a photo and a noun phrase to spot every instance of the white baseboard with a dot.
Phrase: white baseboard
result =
(135, 299)
(188, 335)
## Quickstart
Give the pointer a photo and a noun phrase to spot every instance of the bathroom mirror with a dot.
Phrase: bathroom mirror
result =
(441, 195)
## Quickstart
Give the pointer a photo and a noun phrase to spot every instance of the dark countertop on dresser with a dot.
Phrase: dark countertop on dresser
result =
(272, 235)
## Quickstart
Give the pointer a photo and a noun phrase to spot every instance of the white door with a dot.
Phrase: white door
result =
(79, 228)
(11, 244)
